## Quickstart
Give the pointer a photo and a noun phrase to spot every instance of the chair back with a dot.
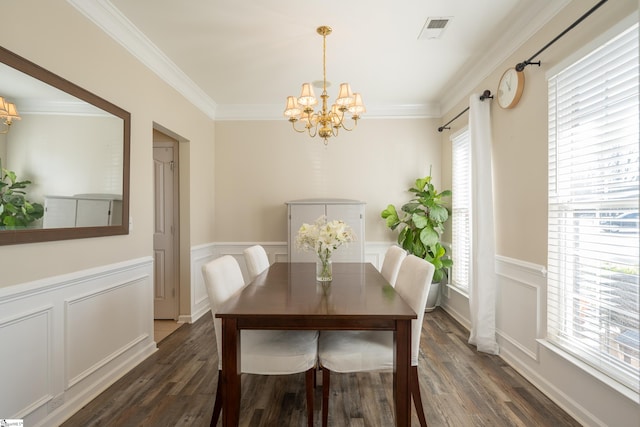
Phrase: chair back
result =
(391, 264)
(414, 281)
(222, 278)
(256, 259)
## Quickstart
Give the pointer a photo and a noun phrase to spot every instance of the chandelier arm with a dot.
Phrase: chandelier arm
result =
(355, 124)
(293, 123)
(315, 130)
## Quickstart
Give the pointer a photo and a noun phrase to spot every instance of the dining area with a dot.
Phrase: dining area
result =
(287, 320)
(182, 383)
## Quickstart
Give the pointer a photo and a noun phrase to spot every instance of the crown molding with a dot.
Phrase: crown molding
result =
(108, 18)
(228, 112)
(528, 20)
(116, 25)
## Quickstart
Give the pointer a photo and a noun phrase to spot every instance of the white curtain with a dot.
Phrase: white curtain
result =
(482, 290)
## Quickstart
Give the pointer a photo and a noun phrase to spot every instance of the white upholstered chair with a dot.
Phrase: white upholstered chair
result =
(391, 264)
(264, 352)
(356, 351)
(256, 259)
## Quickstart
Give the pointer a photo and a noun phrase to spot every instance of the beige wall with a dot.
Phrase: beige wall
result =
(56, 36)
(519, 155)
(520, 134)
(235, 191)
(262, 164)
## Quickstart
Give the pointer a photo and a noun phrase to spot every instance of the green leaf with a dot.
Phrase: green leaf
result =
(391, 216)
(420, 220)
(421, 182)
(438, 213)
(438, 275)
(402, 237)
(410, 207)
(428, 237)
(20, 184)
(418, 248)
(15, 209)
(389, 211)
(437, 263)
(11, 175)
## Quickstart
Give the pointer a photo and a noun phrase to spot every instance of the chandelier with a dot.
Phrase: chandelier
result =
(325, 122)
(8, 113)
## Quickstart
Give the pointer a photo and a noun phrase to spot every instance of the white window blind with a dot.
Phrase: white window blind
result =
(593, 259)
(461, 211)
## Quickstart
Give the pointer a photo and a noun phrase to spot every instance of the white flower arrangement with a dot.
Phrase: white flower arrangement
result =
(324, 237)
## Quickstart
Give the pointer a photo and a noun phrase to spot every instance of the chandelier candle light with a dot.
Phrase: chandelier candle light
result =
(8, 113)
(326, 122)
(323, 238)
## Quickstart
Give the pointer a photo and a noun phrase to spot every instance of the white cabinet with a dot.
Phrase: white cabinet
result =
(90, 210)
(308, 210)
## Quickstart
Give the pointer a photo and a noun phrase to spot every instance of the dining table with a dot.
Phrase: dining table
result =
(287, 296)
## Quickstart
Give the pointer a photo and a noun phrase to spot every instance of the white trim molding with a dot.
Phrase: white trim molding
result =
(108, 18)
(84, 331)
(590, 398)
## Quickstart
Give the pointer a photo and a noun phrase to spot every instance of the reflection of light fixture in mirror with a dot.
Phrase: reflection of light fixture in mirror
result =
(8, 113)
(326, 122)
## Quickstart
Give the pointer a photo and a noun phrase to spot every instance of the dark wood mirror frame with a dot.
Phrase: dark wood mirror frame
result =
(11, 237)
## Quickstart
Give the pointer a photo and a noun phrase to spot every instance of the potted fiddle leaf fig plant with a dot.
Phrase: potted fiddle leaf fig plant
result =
(421, 223)
(15, 210)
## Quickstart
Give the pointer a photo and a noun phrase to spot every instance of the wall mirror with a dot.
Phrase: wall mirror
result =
(74, 148)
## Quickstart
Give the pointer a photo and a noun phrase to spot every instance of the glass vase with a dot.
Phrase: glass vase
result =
(324, 270)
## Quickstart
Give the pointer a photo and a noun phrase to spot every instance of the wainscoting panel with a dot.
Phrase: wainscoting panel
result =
(521, 325)
(200, 255)
(518, 309)
(67, 338)
(114, 315)
(27, 377)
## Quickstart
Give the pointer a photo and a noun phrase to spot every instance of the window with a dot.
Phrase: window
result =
(461, 210)
(593, 258)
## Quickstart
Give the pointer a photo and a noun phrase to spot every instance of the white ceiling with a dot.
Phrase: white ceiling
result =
(240, 59)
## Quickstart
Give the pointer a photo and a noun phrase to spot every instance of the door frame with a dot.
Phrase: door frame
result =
(175, 143)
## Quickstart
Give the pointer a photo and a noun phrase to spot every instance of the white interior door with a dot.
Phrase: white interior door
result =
(165, 239)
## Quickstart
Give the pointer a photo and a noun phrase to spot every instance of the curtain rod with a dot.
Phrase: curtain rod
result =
(522, 65)
(485, 94)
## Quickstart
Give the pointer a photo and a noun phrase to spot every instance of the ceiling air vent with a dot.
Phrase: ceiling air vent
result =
(434, 27)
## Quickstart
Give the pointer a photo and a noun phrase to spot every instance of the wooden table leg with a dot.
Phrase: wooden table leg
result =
(402, 356)
(230, 372)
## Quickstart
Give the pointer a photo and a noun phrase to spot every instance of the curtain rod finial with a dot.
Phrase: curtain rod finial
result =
(486, 94)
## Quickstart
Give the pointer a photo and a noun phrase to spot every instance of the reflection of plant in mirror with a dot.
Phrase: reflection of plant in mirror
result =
(15, 210)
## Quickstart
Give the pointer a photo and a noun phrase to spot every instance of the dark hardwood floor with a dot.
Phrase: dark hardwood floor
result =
(460, 387)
